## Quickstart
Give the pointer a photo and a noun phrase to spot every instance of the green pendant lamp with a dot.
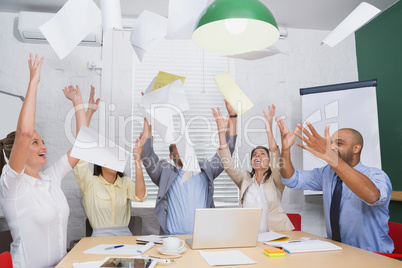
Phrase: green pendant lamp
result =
(235, 26)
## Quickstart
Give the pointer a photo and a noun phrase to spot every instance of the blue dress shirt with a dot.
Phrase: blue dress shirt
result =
(183, 199)
(362, 225)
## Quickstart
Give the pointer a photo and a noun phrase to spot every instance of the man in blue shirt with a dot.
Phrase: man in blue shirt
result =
(355, 197)
(176, 202)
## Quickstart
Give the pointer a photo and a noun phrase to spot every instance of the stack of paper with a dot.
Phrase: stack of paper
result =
(304, 246)
(272, 236)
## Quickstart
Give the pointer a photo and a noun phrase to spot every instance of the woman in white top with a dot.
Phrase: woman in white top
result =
(262, 187)
(32, 201)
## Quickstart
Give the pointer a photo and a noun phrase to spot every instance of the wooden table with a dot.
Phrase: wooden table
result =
(348, 257)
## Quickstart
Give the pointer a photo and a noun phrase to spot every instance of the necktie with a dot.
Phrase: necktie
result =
(335, 209)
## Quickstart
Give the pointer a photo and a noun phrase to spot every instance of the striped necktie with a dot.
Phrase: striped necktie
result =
(335, 209)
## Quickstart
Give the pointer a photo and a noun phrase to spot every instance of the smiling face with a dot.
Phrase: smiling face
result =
(260, 158)
(37, 152)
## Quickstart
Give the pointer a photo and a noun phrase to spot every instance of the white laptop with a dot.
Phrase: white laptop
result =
(225, 228)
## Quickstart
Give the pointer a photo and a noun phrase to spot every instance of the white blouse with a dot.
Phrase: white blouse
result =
(37, 213)
(255, 198)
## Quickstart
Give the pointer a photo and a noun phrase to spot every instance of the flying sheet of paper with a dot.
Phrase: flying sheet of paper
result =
(233, 257)
(188, 158)
(164, 79)
(147, 31)
(232, 93)
(255, 55)
(74, 21)
(183, 17)
(172, 95)
(94, 148)
(111, 14)
(362, 14)
(162, 121)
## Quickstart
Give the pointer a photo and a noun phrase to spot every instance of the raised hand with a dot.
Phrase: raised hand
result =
(93, 105)
(139, 147)
(269, 118)
(229, 108)
(73, 94)
(317, 145)
(288, 138)
(34, 67)
(147, 130)
(221, 122)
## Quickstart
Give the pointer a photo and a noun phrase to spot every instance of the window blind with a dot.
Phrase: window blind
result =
(182, 57)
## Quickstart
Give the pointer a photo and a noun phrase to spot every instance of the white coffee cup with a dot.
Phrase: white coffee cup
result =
(173, 244)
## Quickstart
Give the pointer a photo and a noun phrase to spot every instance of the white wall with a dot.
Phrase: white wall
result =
(275, 80)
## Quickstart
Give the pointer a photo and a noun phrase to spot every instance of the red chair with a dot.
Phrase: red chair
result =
(296, 220)
(5, 260)
(395, 232)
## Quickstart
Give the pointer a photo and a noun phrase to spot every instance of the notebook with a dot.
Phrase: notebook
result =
(305, 246)
(225, 228)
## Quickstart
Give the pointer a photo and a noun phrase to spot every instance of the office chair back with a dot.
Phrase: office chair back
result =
(395, 232)
(5, 260)
(135, 226)
(296, 220)
(5, 241)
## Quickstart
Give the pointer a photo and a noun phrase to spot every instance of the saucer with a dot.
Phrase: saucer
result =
(163, 251)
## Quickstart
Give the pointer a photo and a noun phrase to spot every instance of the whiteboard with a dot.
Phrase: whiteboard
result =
(348, 105)
(10, 107)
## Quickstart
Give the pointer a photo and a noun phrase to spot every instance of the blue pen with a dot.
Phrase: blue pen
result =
(118, 246)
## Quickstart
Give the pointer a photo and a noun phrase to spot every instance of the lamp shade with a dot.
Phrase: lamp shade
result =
(235, 26)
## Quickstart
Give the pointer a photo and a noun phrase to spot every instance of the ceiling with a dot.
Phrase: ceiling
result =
(304, 14)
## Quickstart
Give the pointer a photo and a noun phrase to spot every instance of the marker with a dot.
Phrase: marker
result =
(118, 246)
(294, 241)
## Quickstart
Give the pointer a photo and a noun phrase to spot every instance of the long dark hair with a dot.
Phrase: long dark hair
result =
(267, 173)
(98, 171)
(6, 145)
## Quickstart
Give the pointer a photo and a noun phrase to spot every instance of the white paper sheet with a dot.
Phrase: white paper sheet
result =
(126, 249)
(94, 148)
(111, 14)
(147, 31)
(232, 93)
(173, 94)
(359, 17)
(270, 236)
(256, 55)
(74, 21)
(162, 121)
(183, 17)
(188, 158)
(233, 257)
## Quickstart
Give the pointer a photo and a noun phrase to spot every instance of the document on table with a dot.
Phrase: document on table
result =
(272, 236)
(233, 257)
(304, 246)
(118, 249)
(157, 239)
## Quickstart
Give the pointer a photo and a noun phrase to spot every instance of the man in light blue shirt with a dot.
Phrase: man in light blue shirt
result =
(362, 194)
(176, 203)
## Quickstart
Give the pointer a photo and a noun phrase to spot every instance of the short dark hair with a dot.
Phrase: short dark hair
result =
(171, 146)
(98, 171)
